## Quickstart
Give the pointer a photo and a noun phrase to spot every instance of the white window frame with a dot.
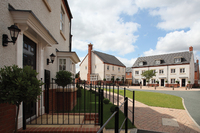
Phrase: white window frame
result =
(62, 18)
(85, 67)
(108, 78)
(182, 70)
(141, 63)
(137, 72)
(153, 81)
(143, 71)
(157, 62)
(118, 69)
(173, 81)
(161, 71)
(177, 60)
(128, 73)
(113, 68)
(62, 64)
(173, 71)
(136, 81)
(107, 67)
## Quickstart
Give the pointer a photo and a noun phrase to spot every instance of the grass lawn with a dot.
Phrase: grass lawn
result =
(154, 99)
(88, 102)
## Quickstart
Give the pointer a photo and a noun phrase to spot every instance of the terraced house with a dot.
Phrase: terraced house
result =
(175, 69)
(44, 43)
(97, 66)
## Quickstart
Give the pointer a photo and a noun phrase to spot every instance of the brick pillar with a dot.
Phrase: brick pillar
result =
(89, 62)
(190, 48)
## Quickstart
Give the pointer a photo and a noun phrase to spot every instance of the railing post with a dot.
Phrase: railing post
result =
(124, 93)
(24, 116)
(101, 124)
(117, 119)
(126, 114)
(99, 105)
(117, 96)
(113, 93)
(133, 111)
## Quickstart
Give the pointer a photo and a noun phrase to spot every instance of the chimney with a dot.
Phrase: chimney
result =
(190, 48)
(89, 62)
(197, 61)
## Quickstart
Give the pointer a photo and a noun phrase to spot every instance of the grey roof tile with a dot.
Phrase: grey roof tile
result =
(128, 69)
(106, 58)
(167, 59)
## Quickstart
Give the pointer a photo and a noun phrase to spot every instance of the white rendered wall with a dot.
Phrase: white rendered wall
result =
(83, 71)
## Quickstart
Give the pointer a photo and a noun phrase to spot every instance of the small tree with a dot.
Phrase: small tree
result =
(19, 85)
(148, 74)
(63, 78)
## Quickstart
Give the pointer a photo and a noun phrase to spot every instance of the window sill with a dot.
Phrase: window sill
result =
(172, 73)
(47, 5)
(63, 35)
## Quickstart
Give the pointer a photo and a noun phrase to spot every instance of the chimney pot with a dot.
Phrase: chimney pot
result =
(190, 48)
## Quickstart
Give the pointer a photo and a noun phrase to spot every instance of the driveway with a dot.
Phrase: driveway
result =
(191, 100)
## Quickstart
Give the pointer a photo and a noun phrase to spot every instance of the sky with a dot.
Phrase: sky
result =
(130, 29)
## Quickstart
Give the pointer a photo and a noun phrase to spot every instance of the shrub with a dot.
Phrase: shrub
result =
(63, 78)
(112, 108)
(106, 101)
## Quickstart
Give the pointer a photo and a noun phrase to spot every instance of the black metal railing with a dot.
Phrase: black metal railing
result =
(74, 104)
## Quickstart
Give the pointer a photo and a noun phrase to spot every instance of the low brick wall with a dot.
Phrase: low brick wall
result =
(58, 98)
(7, 118)
(153, 85)
(170, 85)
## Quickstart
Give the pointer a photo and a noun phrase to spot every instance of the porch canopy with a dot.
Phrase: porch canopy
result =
(72, 55)
(32, 27)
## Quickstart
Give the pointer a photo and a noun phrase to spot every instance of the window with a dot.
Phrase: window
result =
(157, 62)
(154, 71)
(85, 67)
(161, 71)
(143, 71)
(107, 67)
(172, 81)
(182, 70)
(141, 64)
(137, 81)
(107, 77)
(173, 70)
(177, 60)
(62, 19)
(95, 66)
(62, 64)
(153, 81)
(128, 73)
(118, 69)
(93, 77)
(113, 68)
(136, 72)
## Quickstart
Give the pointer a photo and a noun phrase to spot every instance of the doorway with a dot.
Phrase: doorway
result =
(29, 58)
(183, 82)
(144, 82)
(162, 82)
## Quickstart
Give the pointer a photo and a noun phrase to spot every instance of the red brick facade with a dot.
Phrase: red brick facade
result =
(7, 118)
(56, 100)
(89, 62)
(196, 74)
(129, 78)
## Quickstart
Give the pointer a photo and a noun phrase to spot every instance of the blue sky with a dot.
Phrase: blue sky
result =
(130, 29)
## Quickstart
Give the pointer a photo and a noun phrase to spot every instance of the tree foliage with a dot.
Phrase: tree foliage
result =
(148, 74)
(19, 85)
(63, 78)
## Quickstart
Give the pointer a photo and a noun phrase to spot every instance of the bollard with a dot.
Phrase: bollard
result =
(155, 87)
(173, 87)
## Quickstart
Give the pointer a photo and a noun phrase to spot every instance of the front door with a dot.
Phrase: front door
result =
(29, 58)
(183, 82)
(162, 82)
(144, 82)
(47, 85)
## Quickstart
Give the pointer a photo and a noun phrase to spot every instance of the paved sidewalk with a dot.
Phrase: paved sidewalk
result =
(152, 118)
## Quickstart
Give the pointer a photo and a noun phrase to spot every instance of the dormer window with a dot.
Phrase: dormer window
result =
(177, 60)
(142, 63)
(157, 62)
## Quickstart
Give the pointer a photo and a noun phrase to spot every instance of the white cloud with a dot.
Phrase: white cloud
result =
(175, 14)
(99, 22)
(127, 62)
(178, 41)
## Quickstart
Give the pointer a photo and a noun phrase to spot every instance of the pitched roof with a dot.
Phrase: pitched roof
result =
(128, 69)
(167, 59)
(106, 58)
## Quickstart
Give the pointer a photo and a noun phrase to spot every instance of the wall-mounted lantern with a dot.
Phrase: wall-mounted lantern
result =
(14, 31)
(52, 57)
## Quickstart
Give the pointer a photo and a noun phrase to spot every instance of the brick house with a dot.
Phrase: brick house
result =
(170, 69)
(97, 66)
(45, 29)
(129, 75)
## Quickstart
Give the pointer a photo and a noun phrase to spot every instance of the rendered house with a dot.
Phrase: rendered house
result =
(97, 65)
(129, 75)
(45, 29)
(169, 68)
